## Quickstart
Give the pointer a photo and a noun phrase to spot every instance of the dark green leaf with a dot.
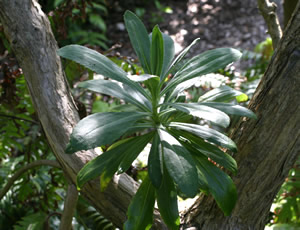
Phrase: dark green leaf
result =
(167, 202)
(220, 184)
(180, 164)
(231, 109)
(206, 133)
(169, 52)
(207, 62)
(119, 155)
(98, 63)
(222, 94)
(157, 51)
(140, 211)
(100, 129)
(199, 146)
(155, 162)
(140, 78)
(139, 39)
(203, 111)
(137, 145)
(118, 90)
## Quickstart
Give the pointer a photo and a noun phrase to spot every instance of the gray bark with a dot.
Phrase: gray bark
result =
(268, 147)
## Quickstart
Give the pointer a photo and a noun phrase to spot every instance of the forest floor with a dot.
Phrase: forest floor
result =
(218, 23)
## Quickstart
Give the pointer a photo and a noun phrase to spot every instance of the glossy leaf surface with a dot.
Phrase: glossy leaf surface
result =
(222, 94)
(118, 90)
(202, 111)
(140, 211)
(139, 39)
(167, 202)
(220, 184)
(157, 51)
(100, 129)
(231, 109)
(180, 164)
(155, 162)
(206, 133)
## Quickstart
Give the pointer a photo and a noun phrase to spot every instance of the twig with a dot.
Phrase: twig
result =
(268, 11)
(18, 118)
(69, 208)
(24, 169)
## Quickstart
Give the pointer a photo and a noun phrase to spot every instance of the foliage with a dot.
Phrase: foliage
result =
(182, 151)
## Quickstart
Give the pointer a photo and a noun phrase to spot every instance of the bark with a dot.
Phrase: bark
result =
(268, 11)
(268, 147)
(288, 8)
(28, 30)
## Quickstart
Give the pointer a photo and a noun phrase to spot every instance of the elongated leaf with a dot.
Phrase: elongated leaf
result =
(169, 52)
(203, 111)
(98, 63)
(207, 62)
(140, 78)
(180, 164)
(222, 94)
(140, 211)
(120, 91)
(109, 162)
(231, 109)
(167, 202)
(157, 51)
(155, 162)
(182, 55)
(220, 185)
(139, 39)
(197, 145)
(133, 150)
(100, 129)
(206, 133)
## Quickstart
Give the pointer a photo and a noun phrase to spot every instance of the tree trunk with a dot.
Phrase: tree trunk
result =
(268, 147)
(288, 8)
(29, 33)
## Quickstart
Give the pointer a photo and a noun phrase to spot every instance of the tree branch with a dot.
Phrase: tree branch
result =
(18, 118)
(69, 208)
(268, 11)
(23, 170)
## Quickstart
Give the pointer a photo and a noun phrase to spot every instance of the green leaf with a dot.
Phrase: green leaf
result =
(220, 184)
(139, 39)
(242, 98)
(98, 63)
(118, 90)
(169, 52)
(203, 111)
(155, 162)
(182, 55)
(167, 201)
(180, 164)
(231, 109)
(199, 146)
(100, 129)
(137, 145)
(207, 62)
(119, 157)
(222, 94)
(156, 51)
(140, 211)
(206, 133)
(140, 78)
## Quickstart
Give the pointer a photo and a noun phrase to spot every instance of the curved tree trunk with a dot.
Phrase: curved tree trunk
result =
(29, 33)
(268, 147)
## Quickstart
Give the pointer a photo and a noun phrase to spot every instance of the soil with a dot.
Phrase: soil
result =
(218, 23)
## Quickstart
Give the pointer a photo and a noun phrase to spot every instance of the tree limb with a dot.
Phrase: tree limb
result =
(268, 11)
(24, 169)
(69, 208)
